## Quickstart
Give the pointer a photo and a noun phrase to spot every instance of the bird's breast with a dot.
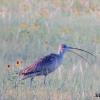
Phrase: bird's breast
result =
(55, 63)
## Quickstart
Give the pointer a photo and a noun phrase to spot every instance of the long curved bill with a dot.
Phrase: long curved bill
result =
(80, 56)
(83, 51)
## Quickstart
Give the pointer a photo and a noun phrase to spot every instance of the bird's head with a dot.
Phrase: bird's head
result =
(65, 48)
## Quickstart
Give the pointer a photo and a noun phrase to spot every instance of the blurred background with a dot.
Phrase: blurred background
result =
(30, 29)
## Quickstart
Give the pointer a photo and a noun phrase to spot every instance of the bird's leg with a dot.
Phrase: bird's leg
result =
(31, 82)
(45, 80)
(17, 82)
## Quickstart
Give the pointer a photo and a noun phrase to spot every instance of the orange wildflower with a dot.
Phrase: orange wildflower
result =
(57, 2)
(45, 13)
(18, 63)
(24, 25)
(8, 66)
(35, 27)
(66, 30)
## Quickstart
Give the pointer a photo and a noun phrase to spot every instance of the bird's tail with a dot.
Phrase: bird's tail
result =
(19, 72)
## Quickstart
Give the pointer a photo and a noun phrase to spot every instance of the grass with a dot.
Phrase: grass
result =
(25, 39)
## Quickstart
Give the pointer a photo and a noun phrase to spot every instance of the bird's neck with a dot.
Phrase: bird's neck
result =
(60, 53)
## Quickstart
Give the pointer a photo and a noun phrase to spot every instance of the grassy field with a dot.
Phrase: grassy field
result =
(32, 29)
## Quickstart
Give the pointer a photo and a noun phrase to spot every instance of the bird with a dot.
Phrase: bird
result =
(48, 64)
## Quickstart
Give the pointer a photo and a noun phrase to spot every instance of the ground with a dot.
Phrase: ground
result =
(32, 29)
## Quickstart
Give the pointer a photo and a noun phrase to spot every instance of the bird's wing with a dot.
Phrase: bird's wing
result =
(49, 59)
(30, 68)
(38, 65)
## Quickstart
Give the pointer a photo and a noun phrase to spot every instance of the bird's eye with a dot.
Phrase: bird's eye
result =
(64, 46)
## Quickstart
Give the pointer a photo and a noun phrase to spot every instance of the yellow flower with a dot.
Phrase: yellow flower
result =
(8, 66)
(25, 7)
(18, 63)
(93, 7)
(35, 27)
(66, 30)
(45, 13)
(24, 25)
(97, 39)
(76, 12)
(57, 2)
